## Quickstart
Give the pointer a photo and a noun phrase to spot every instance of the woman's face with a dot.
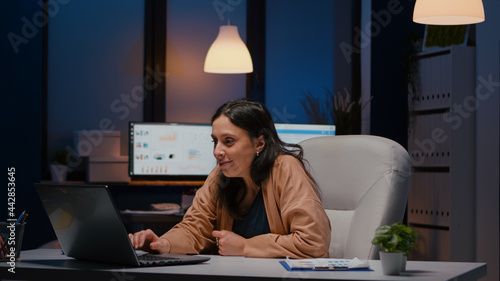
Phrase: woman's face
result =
(233, 148)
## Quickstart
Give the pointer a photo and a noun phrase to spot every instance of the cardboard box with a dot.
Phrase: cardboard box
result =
(97, 143)
(108, 169)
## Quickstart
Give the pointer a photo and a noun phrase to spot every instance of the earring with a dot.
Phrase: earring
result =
(257, 154)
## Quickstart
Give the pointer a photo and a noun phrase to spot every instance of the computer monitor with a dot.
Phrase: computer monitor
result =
(183, 151)
(170, 151)
(295, 133)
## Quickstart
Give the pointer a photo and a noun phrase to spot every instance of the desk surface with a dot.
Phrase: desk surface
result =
(52, 265)
(140, 183)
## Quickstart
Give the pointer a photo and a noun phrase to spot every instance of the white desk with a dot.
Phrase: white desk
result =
(51, 265)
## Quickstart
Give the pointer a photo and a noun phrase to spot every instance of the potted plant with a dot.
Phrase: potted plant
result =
(59, 166)
(396, 241)
(339, 109)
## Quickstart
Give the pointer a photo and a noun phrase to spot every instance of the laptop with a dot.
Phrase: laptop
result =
(89, 227)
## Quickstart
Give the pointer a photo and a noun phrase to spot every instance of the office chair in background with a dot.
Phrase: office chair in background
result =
(364, 182)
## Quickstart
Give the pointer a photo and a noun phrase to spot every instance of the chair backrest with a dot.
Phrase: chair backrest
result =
(364, 181)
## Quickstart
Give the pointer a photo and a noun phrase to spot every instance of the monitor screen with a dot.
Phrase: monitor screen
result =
(170, 150)
(184, 151)
(295, 133)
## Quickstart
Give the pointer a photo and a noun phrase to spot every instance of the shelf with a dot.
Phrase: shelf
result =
(441, 145)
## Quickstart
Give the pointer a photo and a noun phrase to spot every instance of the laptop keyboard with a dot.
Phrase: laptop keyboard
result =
(152, 259)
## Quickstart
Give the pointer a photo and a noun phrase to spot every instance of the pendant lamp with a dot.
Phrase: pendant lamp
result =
(448, 12)
(228, 53)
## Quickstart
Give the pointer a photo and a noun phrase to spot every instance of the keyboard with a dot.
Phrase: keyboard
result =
(152, 259)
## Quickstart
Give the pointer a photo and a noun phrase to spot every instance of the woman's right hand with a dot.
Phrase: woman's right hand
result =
(147, 240)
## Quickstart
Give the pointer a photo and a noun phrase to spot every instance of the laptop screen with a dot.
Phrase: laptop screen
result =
(86, 222)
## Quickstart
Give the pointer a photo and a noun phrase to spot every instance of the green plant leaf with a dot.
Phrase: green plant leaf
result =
(395, 238)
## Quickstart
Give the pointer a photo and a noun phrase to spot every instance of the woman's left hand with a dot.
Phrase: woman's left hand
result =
(229, 243)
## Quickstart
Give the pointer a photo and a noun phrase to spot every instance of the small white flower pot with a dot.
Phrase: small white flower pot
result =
(391, 262)
(403, 263)
(58, 172)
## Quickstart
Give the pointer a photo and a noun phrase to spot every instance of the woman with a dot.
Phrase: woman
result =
(259, 201)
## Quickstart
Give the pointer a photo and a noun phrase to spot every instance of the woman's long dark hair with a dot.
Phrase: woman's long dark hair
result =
(254, 118)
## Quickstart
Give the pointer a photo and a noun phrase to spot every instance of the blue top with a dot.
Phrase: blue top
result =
(255, 223)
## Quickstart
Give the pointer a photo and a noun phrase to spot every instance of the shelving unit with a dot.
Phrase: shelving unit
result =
(441, 145)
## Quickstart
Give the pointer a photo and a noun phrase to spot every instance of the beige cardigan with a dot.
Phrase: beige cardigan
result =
(299, 225)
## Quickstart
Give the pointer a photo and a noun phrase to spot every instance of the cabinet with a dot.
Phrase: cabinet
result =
(441, 144)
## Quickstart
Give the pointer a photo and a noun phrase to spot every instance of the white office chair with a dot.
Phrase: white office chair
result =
(364, 182)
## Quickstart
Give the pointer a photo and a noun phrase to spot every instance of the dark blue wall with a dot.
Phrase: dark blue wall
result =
(96, 69)
(299, 55)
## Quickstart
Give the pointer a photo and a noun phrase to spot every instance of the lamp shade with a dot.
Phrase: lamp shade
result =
(228, 53)
(448, 12)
